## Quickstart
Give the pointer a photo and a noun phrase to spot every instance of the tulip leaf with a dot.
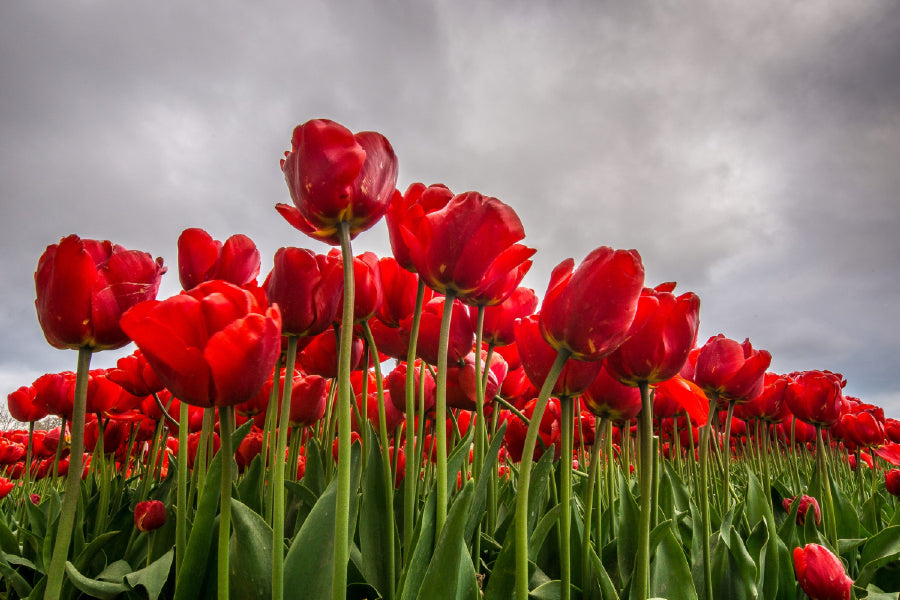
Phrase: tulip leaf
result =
(626, 546)
(100, 588)
(314, 475)
(8, 542)
(374, 531)
(153, 577)
(481, 489)
(459, 457)
(551, 590)
(847, 518)
(543, 528)
(309, 564)
(734, 572)
(540, 478)
(607, 589)
(423, 541)
(250, 554)
(16, 581)
(442, 579)
(251, 485)
(881, 549)
(670, 575)
(502, 582)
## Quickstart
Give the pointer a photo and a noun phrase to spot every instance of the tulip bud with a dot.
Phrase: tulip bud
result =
(892, 482)
(149, 515)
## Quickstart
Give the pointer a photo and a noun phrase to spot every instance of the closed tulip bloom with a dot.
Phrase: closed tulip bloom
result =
(679, 396)
(83, 288)
(770, 404)
(55, 393)
(395, 381)
(429, 198)
(23, 407)
(6, 486)
(660, 338)
(500, 319)
(548, 434)
(606, 397)
(892, 482)
(733, 371)
(468, 248)
(892, 430)
(334, 175)
(320, 356)
(588, 310)
(538, 356)
(821, 574)
(815, 397)
(862, 424)
(201, 258)
(368, 292)
(806, 502)
(399, 287)
(308, 396)
(462, 386)
(214, 345)
(135, 375)
(149, 515)
(462, 336)
(307, 288)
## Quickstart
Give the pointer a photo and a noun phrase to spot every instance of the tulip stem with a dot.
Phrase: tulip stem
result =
(410, 479)
(825, 483)
(480, 429)
(567, 431)
(226, 428)
(726, 445)
(641, 581)
(704, 496)
(181, 508)
(594, 469)
(521, 514)
(344, 399)
(66, 523)
(278, 470)
(440, 414)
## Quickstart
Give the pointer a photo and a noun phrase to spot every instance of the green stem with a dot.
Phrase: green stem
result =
(181, 508)
(226, 428)
(344, 399)
(726, 448)
(278, 472)
(599, 425)
(704, 497)
(565, 494)
(270, 435)
(641, 582)
(521, 515)
(410, 479)
(66, 523)
(480, 429)
(440, 412)
(825, 483)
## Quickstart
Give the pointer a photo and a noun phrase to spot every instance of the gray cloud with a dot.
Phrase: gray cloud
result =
(748, 150)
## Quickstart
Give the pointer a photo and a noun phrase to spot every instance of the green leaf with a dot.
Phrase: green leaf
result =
(734, 572)
(881, 549)
(607, 589)
(251, 485)
(16, 581)
(423, 542)
(670, 575)
(96, 588)
(314, 476)
(153, 577)
(8, 541)
(309, 564)
(250, 554)
(459, 457)
(481, 489)
(544, 526)
(540, 478)
(551, 590)
(375, 532)
(441, 580)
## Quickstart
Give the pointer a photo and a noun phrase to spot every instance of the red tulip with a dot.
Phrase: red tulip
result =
(84, 287)
(149, 515)
(6, 486)
(308, 396)
(201, 258)
(320, 356)
(892, 482)
(537, 359)
(468, 248)
(861, 425)
(430, 199)
(368, 294)
(55, 393)
(733, 371)
(214, 345)
(399, 287)
(462, 386)
(679, 396)
(307, 288)
(821, 574)
(815, 397)
(588, 310)
(660, 338)
(462, 336)
(548, 433)
(334, 175)
(500, 319)
(608, 398)
(23, 406)
(395, 382)
(249, 448)
(892, 430)
(135, 375)
(769, 405)
(805, 503)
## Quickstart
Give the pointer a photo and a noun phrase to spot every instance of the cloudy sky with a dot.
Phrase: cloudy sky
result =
(749, 150)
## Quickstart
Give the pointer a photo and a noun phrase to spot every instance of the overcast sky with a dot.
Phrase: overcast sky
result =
(748, 150)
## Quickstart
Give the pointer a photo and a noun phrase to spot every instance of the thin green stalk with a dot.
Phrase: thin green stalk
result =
(704, 497)
(825, 483)
(344, 400)
(226, 428)
(440, 412)
(726, 446)
(411, 478)
(59, 447)
(521, 514)
(66, 523)
(269, 438)
(480, 429)
(641, 580)
(586, 579)
(181, 507)
(565, 495)
(278, 472)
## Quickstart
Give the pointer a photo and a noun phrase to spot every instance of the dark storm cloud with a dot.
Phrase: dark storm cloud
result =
(748, 150)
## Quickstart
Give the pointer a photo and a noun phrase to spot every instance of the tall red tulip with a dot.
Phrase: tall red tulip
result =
(334, 175)
(468, 248)
(368, 292)
(660, 338)
(607, 398)
(892, 482)
(23, 407)
(430, 199)
(135, 374)
(732, 371)
(201, 258)
(821, 574)
(815, 397)
(587, 311)
(83, 288)
(500, 319)
(307, 289)
(538, 356)
(462, 336)
(213, 345)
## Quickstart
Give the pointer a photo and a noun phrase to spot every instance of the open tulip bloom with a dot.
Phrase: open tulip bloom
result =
(688, 470)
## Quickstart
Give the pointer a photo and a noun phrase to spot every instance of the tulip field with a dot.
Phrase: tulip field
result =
(422, 426)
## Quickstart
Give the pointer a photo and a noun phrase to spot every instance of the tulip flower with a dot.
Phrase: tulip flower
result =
(429, 199)
(6, 486)
(892, 430)
(806, 502)
(307, 289)
(23, 407)
(537, 359)
(368, 294)
(201, 258)
(461, 335)
(815, 397)
(399, 287)
(500, 319)
(336, 176)
(821, 574)
(607, 398)
(731, 371)
(892, 482)
(135, 375)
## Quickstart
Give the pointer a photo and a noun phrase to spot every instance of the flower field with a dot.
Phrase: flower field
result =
(420, 425)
